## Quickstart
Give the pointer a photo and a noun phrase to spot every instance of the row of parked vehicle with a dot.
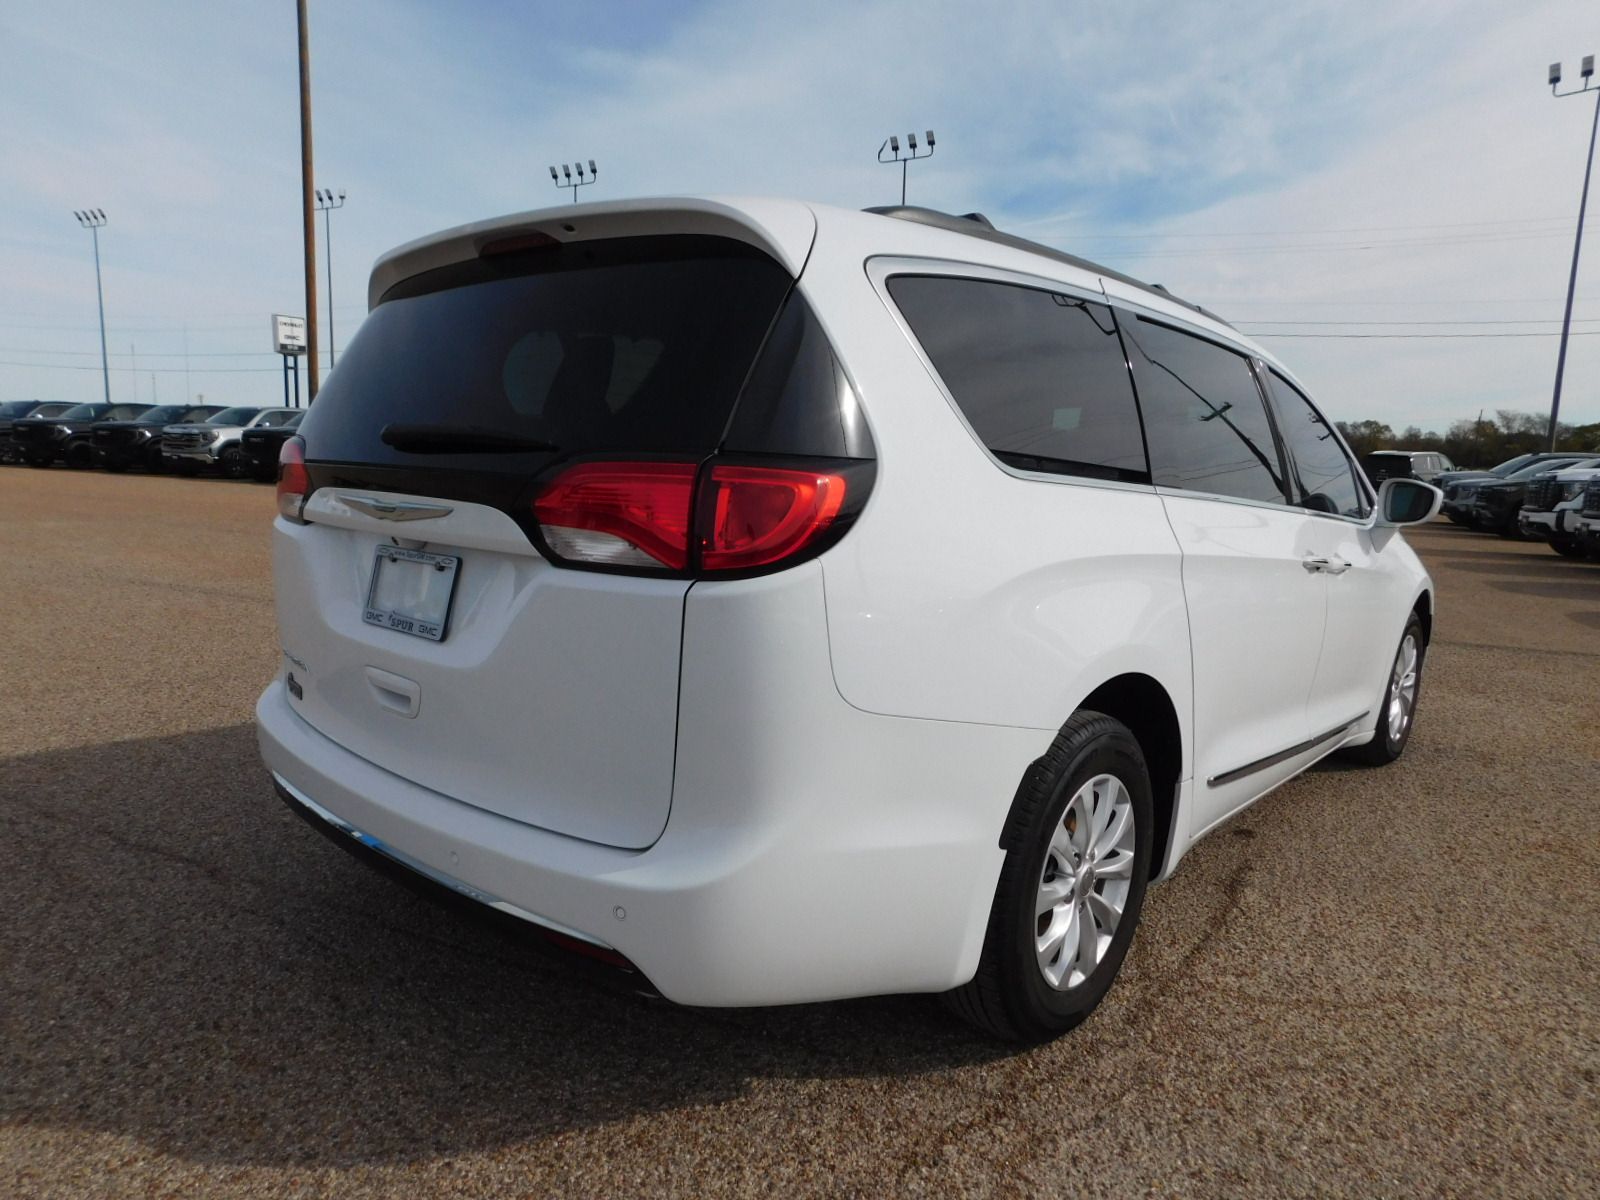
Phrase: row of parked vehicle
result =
(1552, 497)
(184, 439)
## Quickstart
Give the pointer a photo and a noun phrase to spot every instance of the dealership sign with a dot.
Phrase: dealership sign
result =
(288, 334)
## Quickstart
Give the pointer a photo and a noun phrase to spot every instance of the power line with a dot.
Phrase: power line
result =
(1463, 321)
(1402, 336)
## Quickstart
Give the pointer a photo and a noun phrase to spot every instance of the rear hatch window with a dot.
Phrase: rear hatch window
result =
(635, 346)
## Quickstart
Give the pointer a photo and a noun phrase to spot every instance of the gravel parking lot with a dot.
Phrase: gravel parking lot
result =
(1373, 983)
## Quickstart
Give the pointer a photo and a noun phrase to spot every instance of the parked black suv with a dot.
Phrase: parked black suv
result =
(13, 411)
(119, 445)
(1495, 503)
(41, 442)
(1426, 465)
(261, 444)
(1460, 487)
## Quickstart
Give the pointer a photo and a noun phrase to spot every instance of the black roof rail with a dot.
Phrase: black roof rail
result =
(979, 226)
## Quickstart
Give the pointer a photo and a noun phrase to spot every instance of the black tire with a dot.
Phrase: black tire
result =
(1009, 997)
(233, 463)
(1384, 747)
(1568, 547)
(78, 455)
(154, 463)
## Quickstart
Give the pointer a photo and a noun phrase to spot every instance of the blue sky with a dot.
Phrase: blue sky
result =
(1298, 168)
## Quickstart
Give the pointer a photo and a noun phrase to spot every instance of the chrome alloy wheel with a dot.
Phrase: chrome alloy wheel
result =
(1083, 886)
(1402, 689)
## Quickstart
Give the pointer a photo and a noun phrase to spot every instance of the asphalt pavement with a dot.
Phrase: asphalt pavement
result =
(1373, 983)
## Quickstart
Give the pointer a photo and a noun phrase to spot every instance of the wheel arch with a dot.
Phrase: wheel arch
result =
(1145, 706)
(1423, 608)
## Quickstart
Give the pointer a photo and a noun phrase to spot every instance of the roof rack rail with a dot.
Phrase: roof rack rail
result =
(979, 226)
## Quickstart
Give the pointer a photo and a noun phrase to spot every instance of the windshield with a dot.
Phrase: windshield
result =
(79, 412)
(234, 416)
(1510, 465)
(1539, 468)
(202, 413)
(167, 414)
(125, 412)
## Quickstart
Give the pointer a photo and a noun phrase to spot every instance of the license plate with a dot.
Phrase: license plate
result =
(411, 591)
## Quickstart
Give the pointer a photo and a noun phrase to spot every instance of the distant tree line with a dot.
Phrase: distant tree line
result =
(1475, 443)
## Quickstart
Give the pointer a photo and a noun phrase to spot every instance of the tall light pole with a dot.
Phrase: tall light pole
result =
(1586, 72)
(308, 219)
(565, 180)
(326, 203)
(891, 144)
(92, 219)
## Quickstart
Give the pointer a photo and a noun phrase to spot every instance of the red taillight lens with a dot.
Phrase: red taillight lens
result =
(624, 514)
(760, 515)
(294, 481)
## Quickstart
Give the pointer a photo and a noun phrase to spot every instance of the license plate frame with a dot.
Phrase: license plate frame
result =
(412, 602)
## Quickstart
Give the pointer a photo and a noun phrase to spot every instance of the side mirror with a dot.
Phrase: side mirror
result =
(1407, 502)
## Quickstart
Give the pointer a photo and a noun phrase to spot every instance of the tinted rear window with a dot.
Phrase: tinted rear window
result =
(628, 346)
(1040, 376)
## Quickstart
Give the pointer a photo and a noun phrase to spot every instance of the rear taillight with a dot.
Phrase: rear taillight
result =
(294, 481)
(682, 517)
(761, 515)
(619, 514)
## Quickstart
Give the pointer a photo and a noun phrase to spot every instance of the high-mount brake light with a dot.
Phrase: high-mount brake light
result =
(761, 515)
(620, 514)
(294, 481)
(655, 515)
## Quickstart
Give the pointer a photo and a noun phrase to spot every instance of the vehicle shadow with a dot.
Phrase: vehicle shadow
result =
(1554, 566)
(1582, 588)
(185, 963)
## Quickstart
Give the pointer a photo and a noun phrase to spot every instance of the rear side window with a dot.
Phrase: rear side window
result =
(1324, 480)
(1039, 376)
(1203, 415)
(633, 345)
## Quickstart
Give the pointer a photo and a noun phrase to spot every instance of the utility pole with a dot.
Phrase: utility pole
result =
(1586, 72)
(892, 145)
(308, 220)
(93, 219)
(568, 181)
(326, 204)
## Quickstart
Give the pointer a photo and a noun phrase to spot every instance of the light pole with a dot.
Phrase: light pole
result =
(892, 145)
(308, 218)
(326, 203)
(565, 180)
(92, 219)
(1586, 72)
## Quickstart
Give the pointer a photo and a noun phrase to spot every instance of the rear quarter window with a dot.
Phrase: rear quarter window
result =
(1040, 376)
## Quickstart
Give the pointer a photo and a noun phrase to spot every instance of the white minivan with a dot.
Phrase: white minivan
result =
(785, 603)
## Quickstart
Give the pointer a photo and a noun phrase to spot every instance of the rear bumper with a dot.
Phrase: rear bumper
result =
(783, 876)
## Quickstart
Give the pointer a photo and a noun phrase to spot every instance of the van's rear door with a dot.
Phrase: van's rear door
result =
(552, 695)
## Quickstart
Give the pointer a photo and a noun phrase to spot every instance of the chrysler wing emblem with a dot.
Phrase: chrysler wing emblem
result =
(395, 510)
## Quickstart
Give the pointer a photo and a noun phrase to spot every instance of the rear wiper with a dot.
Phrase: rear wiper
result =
(459, 439)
